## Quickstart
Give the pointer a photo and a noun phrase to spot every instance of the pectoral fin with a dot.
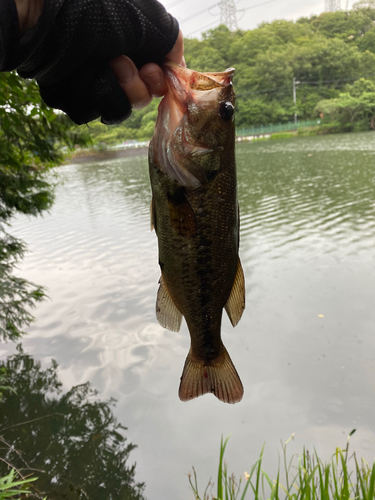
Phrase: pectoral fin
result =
(181, 214)
(236, 303)
(152, 215)
(166, 312)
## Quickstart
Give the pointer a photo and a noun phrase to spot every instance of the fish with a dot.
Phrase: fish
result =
(195, 214)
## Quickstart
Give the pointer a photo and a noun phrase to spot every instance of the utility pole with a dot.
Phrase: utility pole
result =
(332, 5)
(228, 14)
(295, 82)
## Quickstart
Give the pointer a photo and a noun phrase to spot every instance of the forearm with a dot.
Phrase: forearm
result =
(16, 18)
(28, 13)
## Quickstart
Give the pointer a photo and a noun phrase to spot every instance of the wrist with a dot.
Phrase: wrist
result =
(28, 13)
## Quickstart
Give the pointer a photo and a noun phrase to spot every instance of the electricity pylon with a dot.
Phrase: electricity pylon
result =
(332, 5)
(228, 14)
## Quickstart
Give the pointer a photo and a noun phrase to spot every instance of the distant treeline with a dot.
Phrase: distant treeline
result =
(332, 56)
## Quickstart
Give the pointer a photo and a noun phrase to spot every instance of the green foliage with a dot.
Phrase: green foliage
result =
(259, 112)
(283, 135)
(353, 109)
(325, 128)
(31, 140)
(4, 380)
(306, 478)
(140, 126)
(17, 295)
(348, 26)
(11, 486)
(323, 52)
(367, 41)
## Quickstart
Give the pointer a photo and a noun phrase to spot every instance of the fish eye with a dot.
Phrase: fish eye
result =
(226, 110)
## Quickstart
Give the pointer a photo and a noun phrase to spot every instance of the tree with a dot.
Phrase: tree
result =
(31, 140)
(357, 104)
(348, 26)
(367, 42)
(324, 52)
(363, 4)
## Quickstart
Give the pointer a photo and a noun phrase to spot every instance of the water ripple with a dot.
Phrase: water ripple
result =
(320, 201)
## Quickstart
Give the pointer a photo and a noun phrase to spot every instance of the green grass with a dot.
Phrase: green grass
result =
(323, 129)
(12, 487)
(257, 139)
(283, 135)
(306, 478)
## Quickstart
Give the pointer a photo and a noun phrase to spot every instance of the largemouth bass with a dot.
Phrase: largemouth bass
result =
(194, 211)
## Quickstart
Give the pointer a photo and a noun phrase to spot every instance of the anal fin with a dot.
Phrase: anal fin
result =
(236, 303)
(219, 377)
(166, 312)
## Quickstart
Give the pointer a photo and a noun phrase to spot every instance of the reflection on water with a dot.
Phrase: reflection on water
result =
(305, 346)
(72, 442)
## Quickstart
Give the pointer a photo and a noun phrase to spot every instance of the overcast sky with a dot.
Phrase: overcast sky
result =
(197, 15)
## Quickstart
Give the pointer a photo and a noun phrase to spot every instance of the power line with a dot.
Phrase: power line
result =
(198, 13)
(274, 89)
(214, 5)
(257, 5)
(339, 80)
(173, 4)
(262, 91)
(201, 29)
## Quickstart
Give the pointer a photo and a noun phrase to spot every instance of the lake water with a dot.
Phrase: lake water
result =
(305, 347)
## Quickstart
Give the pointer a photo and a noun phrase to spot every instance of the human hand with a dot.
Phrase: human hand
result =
(69, 55)
(141, 86)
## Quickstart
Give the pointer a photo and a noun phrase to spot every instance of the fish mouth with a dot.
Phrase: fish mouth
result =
(182, 77)
(184, 84)
(191, 88)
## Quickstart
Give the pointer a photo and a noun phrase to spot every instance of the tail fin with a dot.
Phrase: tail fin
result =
(219, 377)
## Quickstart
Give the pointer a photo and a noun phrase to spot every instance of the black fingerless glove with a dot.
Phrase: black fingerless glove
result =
(69, 49)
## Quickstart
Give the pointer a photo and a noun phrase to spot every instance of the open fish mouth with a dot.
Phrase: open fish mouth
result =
(193, 101)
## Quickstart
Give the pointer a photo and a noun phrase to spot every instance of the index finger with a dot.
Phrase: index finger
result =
(176, 55)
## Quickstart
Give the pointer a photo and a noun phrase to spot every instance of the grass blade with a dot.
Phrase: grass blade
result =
(312, 480)
(223, 445)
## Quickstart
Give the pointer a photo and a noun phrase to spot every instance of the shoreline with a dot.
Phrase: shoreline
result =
(92, 155)
(108, 154)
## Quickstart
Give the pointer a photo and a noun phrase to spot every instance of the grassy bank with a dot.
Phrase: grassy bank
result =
(324, 129)
(303, 477)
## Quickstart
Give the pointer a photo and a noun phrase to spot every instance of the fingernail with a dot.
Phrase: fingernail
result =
(124, 69)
